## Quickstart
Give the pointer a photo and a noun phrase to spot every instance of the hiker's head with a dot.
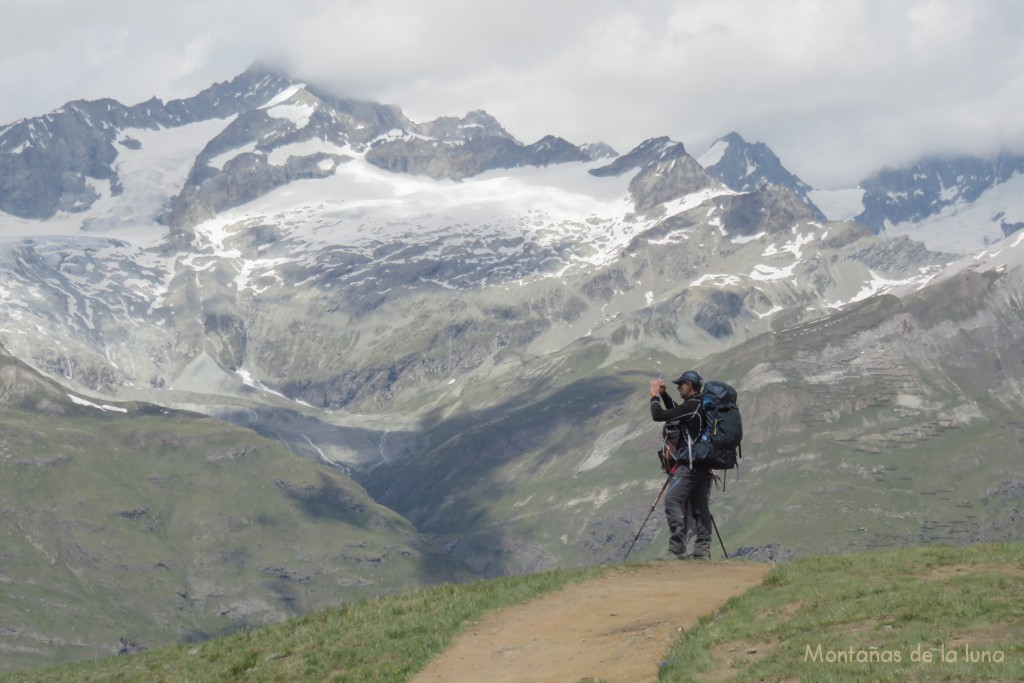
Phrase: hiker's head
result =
(689, 383)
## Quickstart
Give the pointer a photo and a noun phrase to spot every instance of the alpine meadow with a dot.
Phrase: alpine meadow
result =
(268, 350)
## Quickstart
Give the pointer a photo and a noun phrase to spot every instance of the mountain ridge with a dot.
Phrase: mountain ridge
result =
(54, 176)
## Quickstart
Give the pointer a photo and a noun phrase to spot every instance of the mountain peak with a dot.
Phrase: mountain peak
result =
(644, 154)
(599, 150)
(745, 166)
(477, 123)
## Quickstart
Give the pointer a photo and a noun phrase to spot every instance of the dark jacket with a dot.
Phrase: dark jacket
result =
(680, 420)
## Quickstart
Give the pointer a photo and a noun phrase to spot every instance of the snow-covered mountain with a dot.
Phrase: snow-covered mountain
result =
(963, 203)
(62, 161)
(951, 204)
(955, 204)
(267, 241)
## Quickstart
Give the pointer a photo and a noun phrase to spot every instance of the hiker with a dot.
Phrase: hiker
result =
(686, 499)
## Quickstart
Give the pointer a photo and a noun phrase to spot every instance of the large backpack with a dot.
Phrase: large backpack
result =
(718, 447)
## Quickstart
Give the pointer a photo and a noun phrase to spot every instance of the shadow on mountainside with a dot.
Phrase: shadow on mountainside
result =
(452, 486)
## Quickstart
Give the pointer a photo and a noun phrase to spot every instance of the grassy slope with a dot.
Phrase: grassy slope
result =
(373, 640)
(139, 529)
(889, 601)
(870, 616)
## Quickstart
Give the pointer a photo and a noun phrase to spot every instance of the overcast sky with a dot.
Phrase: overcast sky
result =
(837, 88)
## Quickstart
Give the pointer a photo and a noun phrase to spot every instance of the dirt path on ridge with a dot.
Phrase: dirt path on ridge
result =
(615, 628)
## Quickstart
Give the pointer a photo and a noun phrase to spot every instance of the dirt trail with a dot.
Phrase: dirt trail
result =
(615, 628)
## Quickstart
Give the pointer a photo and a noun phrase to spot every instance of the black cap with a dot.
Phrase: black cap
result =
(691, 376)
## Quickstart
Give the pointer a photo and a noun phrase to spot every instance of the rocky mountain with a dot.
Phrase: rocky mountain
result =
(64, 160)
(893, 421)
(745, 167)
(957, 204)
(464, 324)
(60, 161)
(934, 184)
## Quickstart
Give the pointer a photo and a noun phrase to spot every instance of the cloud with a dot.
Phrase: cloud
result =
(837, 89)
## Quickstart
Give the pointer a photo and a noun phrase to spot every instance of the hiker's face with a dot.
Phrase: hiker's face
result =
(685, 390)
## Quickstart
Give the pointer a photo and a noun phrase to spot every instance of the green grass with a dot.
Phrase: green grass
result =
(814, 619)
(154, 529)
(875, 616)
(375, 639)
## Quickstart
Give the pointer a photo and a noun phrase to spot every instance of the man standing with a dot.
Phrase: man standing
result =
(686, 502)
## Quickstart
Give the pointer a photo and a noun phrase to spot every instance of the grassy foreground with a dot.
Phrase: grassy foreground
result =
(376, 639)
(935, 613)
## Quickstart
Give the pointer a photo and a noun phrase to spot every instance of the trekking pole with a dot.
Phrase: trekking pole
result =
(649, 512)
(719, 537)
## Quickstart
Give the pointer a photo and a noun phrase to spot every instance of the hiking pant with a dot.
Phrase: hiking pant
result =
(687, 512)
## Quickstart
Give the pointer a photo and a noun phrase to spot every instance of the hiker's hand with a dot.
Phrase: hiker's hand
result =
(657, 386)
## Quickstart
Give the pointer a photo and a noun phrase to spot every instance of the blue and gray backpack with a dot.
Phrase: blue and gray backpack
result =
(718, 447)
